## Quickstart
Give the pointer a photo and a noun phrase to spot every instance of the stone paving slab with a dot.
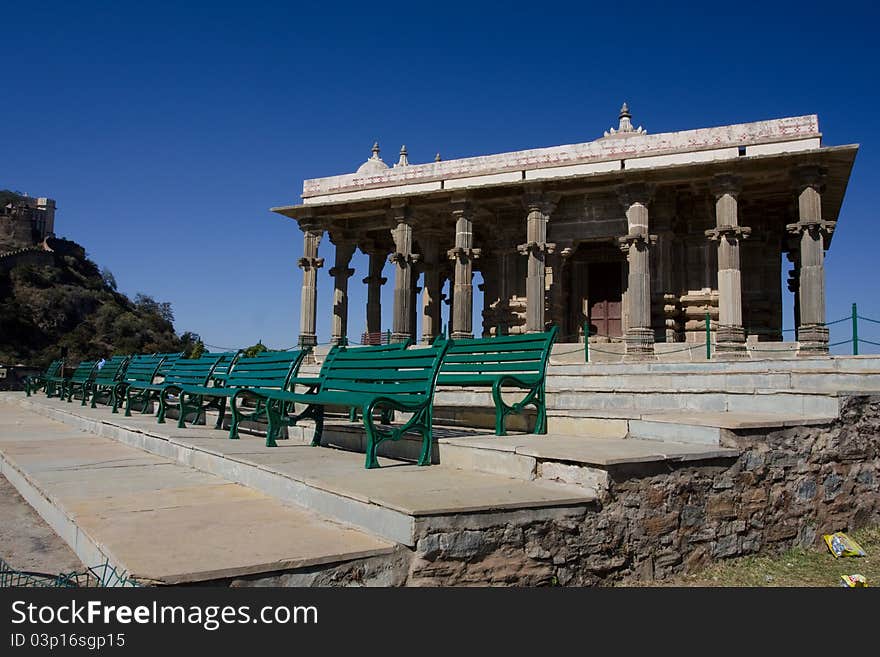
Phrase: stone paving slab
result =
(596, 451)
(734, 420)
(331, 481)
(160, 521)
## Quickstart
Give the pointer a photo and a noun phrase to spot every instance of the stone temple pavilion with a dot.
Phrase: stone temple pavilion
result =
(635, 235)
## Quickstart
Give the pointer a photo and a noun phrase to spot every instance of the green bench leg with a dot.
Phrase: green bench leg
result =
(372, 460)
(541, 405)
(221, 413)
(318, 416)
(160, 415)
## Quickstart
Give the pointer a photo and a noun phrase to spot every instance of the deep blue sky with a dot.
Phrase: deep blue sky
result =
(166, 131)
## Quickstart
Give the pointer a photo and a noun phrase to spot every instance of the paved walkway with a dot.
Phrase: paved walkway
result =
(161, 521)
(27, 542)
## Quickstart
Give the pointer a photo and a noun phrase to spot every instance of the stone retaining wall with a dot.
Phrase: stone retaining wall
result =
(788, 487)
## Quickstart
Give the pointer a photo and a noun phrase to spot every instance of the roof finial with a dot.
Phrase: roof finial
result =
(625, 127)
(437, 158)
(375, 150)
(404, 160)
(624, 116)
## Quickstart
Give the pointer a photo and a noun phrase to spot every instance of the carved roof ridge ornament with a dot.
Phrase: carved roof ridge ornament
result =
(625, 127)
(404, 160)
(374, 164)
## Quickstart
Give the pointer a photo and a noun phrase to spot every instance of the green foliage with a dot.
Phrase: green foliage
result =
(109, 278)
(74, 305)
(253, 350)
(192, 345)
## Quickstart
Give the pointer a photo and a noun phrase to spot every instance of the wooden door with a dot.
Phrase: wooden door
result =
(605, 293)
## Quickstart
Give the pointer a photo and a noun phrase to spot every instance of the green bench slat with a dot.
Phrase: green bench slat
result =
(481, 379)
(498, 368)
(493, 357)
(503, 340)
(379, 388)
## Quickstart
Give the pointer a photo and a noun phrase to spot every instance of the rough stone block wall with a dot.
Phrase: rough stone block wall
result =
(787, 488)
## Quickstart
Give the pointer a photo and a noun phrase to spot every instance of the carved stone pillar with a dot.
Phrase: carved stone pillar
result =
(812, 231)
(463, 254)
(374, 283)
(730, 335)
(538, 206)
(794, 284)
(639, 336)
(429, 241)
(341, 272)
(559, 290)
(310, 263)
(404, 259)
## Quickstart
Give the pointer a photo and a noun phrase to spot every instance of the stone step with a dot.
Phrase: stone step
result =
(397, 502)
(711, 428)
(582, 462)
(572, 362)
(719, 381)
(567, 410)
(158, 521)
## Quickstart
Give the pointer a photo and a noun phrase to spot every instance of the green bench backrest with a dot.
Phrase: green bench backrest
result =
(142, 368)
(169, 360)
(506, 354)
(112, 370)
(227, 360)
(375, 349)
(270, 369)
(54, 368)
(192, 371)
(83, 372)
(393, 373)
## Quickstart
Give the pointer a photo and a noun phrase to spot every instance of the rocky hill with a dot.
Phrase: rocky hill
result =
(61, 299)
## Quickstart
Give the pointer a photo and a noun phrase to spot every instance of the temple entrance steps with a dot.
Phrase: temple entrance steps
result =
(396, 504)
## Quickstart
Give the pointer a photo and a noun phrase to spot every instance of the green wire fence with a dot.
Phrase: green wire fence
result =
(384, 337)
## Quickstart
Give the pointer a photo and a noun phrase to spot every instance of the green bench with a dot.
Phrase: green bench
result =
(367, 380)
(138, 369)
(107, 378)
(185, 371)
(168, 362)
(47, 380)
(269, 369)
(314, 382)
(80, 380)
(509, 361)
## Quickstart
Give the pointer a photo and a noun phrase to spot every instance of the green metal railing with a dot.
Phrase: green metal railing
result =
(853, 318)
(384, 337)
(98, 576)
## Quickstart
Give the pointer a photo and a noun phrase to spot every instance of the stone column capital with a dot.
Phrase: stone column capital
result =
(809, 175)
(462, 253)
(536, 200)
(343, 239)
(635, 192)
(310, 263)
(536, 247)
(374, 280)
(728, 232)
(725, 183)
(341, 272)
(637, 239)
(403, 259)
(814, 227)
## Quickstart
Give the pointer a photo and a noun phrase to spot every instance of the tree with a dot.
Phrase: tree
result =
(253, 350)
(109, 278)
